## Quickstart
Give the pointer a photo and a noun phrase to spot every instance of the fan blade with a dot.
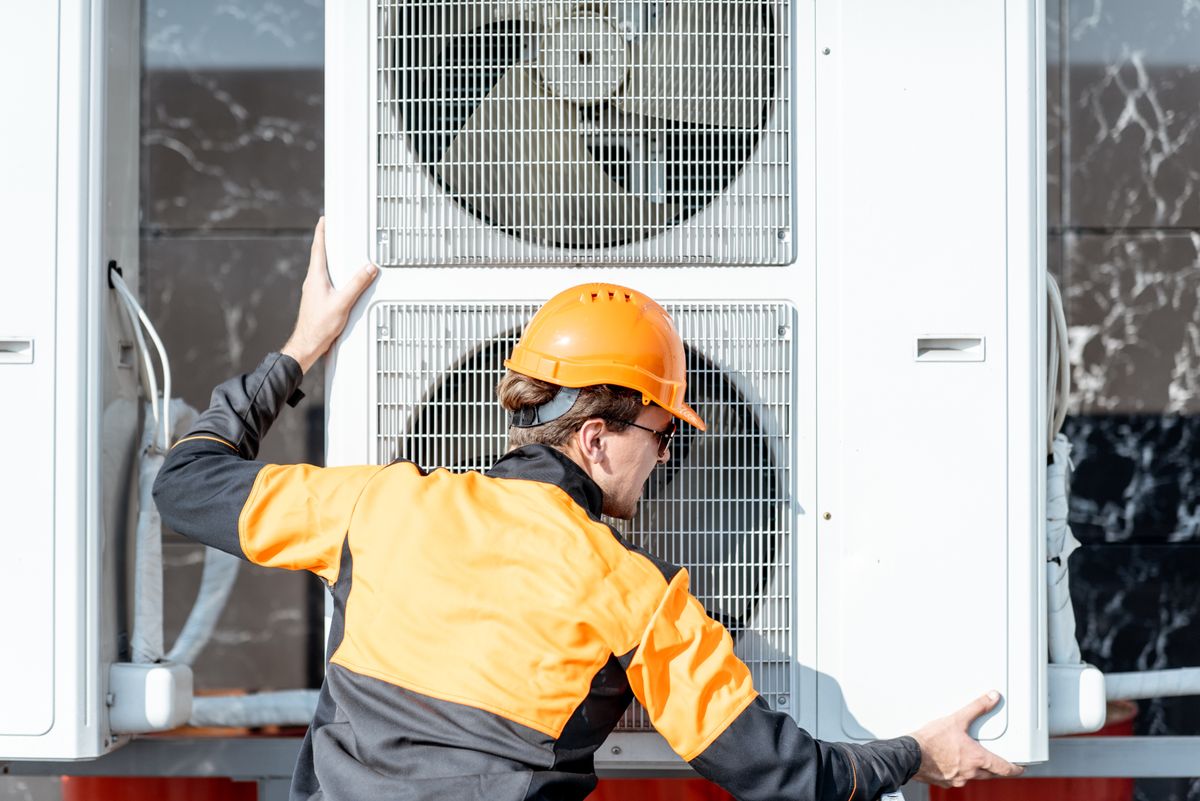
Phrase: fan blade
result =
(521, 162)
(437, 36)
(454, 19)
(703, 62)
(434, 30)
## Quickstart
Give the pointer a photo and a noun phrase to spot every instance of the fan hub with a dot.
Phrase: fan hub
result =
(583, 57)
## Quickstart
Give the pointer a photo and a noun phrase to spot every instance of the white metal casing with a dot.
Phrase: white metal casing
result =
(70, 413)
(917, 204)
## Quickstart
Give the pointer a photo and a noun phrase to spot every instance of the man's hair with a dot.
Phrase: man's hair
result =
(617, 405)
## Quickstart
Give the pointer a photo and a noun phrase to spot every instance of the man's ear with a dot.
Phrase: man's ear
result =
(591, 440)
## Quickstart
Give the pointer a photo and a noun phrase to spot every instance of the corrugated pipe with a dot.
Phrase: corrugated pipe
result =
(147, 638)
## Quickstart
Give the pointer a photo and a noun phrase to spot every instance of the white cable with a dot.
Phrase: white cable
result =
(1059, 399)
(281, 708)
(149, 376)
(1052, 357)
(119, 283)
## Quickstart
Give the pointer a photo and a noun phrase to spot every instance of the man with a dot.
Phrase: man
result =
(489, 629)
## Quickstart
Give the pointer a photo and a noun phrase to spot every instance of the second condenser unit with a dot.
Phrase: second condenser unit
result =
(844, 223)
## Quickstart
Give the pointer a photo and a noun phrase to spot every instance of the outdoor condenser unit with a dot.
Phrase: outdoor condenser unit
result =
(68, 386)
(841, 205)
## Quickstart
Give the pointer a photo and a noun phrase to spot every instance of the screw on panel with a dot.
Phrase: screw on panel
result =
(783, 234)
(782, 700)
(825, 51)
(383, 332)
(784, 332)
(616, 750)
(828, 516)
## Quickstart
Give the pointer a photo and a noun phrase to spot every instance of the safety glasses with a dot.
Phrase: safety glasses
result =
(664, 436)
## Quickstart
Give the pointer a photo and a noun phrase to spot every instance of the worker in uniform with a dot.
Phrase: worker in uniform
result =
(490, 629)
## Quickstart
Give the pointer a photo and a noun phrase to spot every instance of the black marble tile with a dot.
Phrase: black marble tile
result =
(232, 149)
(1137, 607)
(1054, 112)
(1134, 113)
(1167, 790)
(220, 306)
(1135, 478)
(1055, 259)
(1133, 307)
(180, 34)
(232, 114)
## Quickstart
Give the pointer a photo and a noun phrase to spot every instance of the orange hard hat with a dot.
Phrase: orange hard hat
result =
(607, 334)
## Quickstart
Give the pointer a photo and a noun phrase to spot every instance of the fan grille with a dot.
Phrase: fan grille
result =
(722, 507)
(562, 133)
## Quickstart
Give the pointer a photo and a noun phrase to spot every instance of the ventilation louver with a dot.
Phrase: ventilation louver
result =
(720, 508)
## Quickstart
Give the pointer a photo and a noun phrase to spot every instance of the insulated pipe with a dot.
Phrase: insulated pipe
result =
(282, 708)
(147, 638)
(1060, 544)
(1152, 684)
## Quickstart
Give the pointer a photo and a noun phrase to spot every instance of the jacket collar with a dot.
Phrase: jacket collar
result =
(551, 466)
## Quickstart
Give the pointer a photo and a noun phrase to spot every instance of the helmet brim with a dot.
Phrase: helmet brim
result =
(689, 416)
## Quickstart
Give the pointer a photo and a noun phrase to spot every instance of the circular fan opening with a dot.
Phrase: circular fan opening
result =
(582, 125)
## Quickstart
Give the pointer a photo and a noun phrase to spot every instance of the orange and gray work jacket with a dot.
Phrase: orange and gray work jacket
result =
(489, 629)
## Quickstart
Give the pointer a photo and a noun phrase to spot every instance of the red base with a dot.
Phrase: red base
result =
(658, 790)
(144, 788)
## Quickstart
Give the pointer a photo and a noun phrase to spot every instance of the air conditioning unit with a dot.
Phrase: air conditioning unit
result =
(841, 206)
(68, 387)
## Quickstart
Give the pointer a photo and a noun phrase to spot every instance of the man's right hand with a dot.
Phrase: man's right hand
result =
(950, 757)
(323, 309)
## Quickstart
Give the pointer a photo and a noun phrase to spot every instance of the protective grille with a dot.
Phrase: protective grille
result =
(721, 507)
(541, 131)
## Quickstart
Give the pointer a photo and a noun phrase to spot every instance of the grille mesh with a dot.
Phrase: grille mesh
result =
(722, 506)
(531, 131)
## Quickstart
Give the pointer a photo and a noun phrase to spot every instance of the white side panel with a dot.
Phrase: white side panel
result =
(28, 82)
(54, 57)
(917, 541)
(1026, 210)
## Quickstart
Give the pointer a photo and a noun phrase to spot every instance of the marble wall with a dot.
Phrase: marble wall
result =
(1124, 192)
